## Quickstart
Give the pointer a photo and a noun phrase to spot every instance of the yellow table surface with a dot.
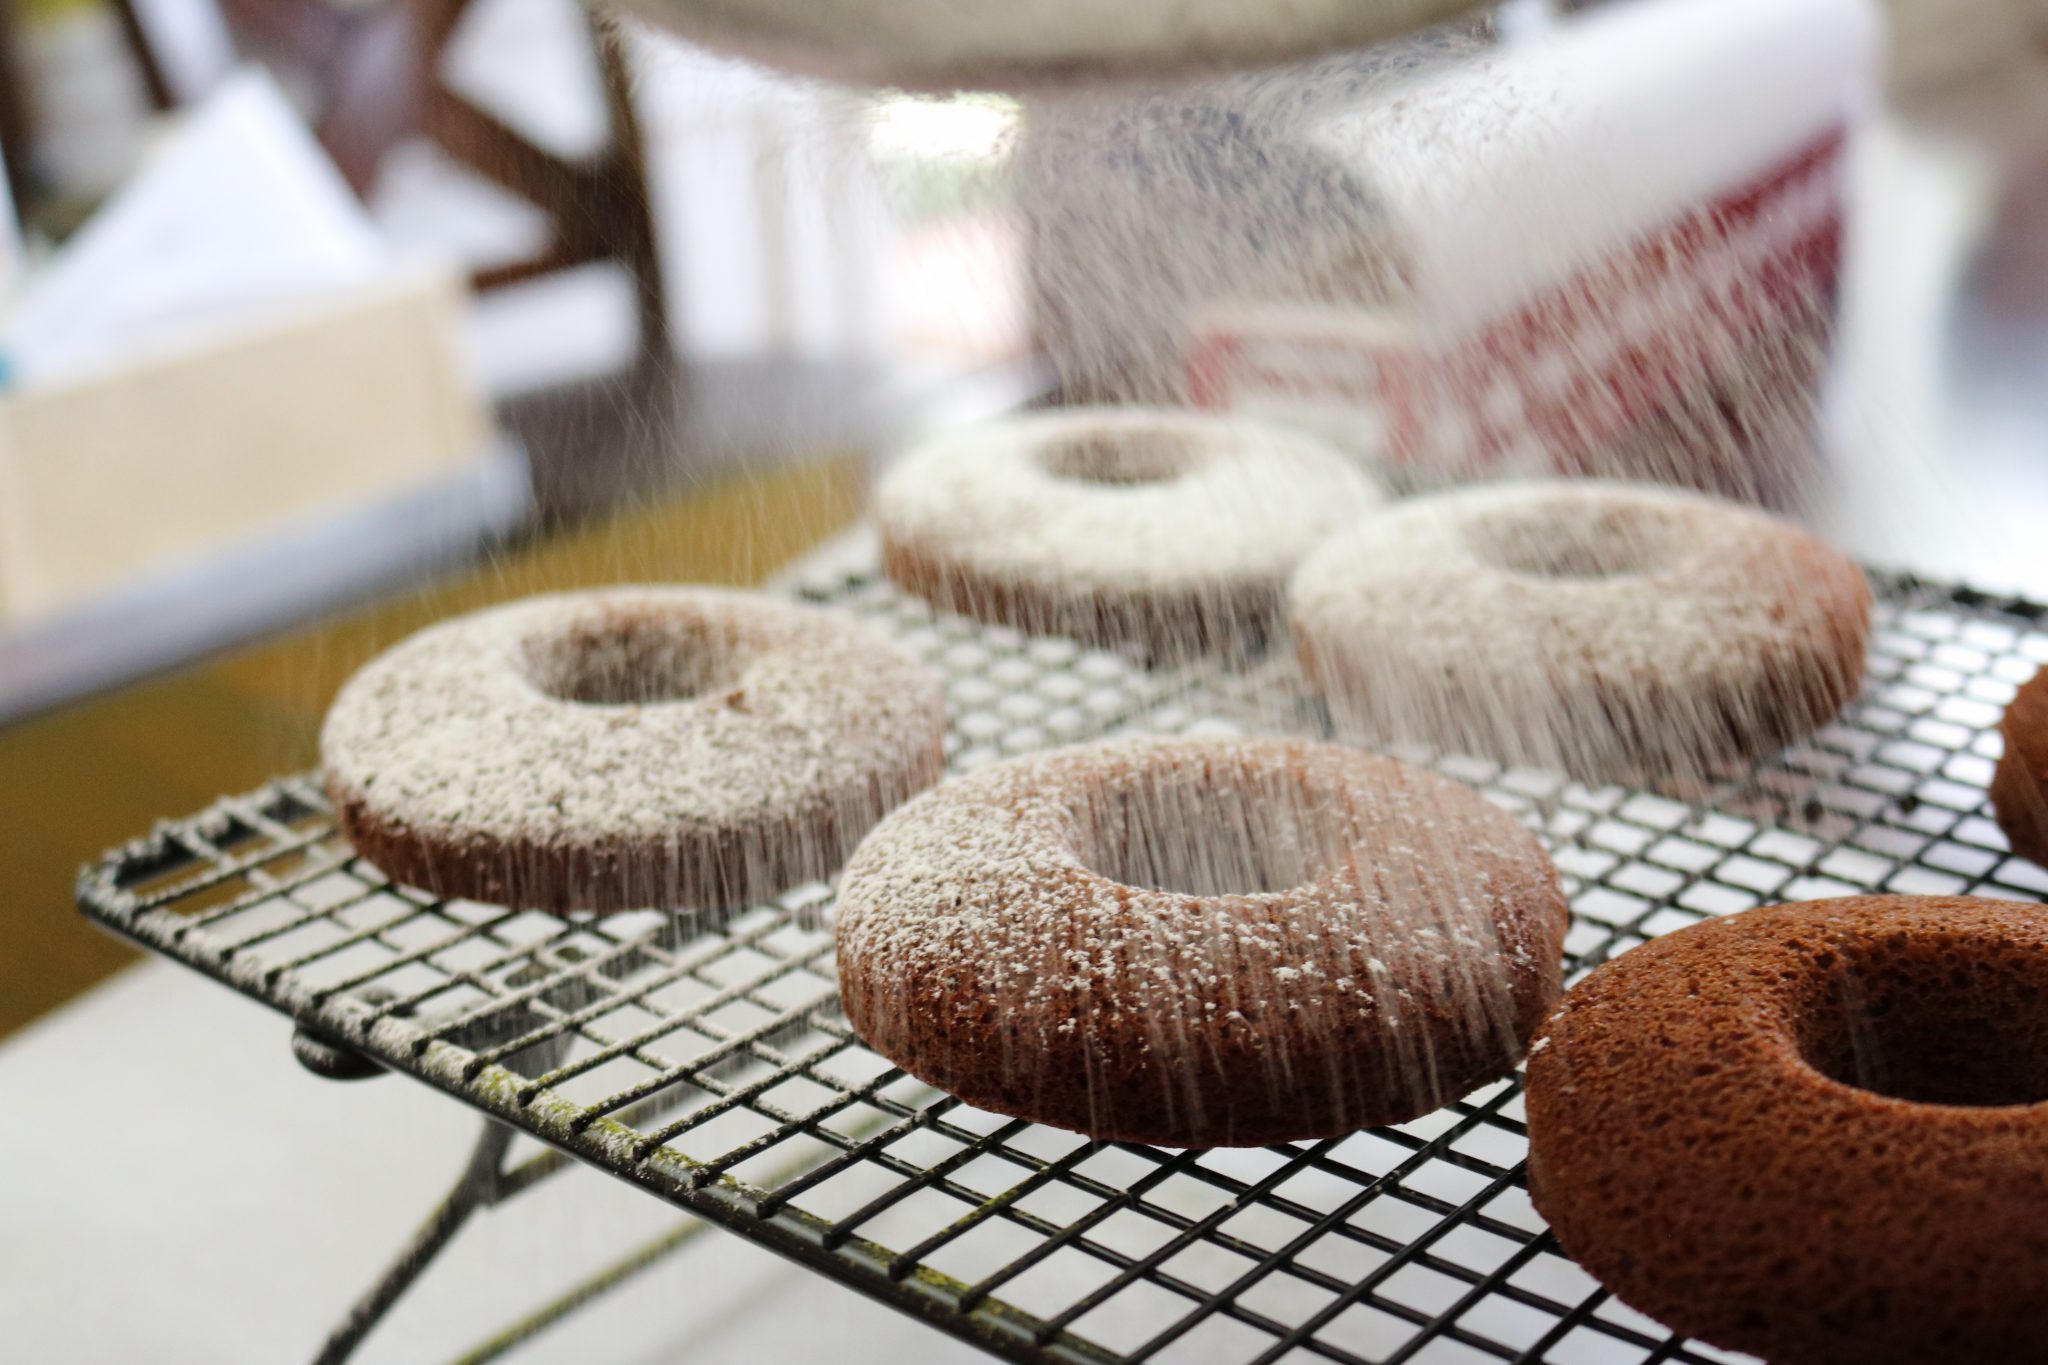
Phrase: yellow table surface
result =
(83, 779)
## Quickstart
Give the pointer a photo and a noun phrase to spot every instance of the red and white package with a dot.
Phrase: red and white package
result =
(1614, 250)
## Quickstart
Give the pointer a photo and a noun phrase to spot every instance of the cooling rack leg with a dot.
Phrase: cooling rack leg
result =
(606, 1280)
(476, 1188)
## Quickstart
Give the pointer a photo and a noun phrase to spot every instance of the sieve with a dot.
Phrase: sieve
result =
(1019, 44)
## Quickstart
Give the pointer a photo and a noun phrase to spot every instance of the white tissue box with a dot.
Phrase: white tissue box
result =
(171, 458)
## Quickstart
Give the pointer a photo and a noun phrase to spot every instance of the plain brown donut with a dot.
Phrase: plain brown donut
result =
(1815, 1133)
(2019, 789)
(1347, 941)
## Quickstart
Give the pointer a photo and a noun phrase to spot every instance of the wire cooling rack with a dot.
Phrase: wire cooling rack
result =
(709, 1063)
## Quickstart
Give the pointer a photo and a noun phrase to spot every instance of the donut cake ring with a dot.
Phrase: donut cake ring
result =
(648, 747)
(1168, 529)
(1201, 942)
(1611, 631)
(1815, 1133)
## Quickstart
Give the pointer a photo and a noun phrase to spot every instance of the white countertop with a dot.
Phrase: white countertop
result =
(178, 1190)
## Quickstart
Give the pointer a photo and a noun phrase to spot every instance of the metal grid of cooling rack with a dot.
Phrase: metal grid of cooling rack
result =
(708, 1062)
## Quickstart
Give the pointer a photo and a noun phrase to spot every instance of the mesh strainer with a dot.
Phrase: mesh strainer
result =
(995, 44)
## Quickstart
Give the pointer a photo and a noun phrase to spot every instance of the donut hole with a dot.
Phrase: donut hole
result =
(632, 660)
(1209, 832)
(1573, 543)
(1122, 458)
(1951, 1023)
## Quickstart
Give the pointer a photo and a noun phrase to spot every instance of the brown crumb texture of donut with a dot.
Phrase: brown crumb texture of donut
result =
(664, 747)
(1202, 942)
(1815, 1133)
(1615, 632)
(2019, 788)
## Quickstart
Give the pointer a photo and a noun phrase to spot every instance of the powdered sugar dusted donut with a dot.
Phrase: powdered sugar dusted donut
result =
(952, 44)
(1608, 630)
(1168, 529)
(658, 746)
(1201, 942)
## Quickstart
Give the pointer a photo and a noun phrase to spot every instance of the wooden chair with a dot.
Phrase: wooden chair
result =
(15, 129)
(374, 69)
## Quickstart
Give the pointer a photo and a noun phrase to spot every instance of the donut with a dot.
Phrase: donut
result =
(1815, 1133)
(2019, 786)
(1201, 942)
(1610, 631)
(666, 747)
(1173, 531)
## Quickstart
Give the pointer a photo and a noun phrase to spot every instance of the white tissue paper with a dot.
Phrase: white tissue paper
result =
(236, 219)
